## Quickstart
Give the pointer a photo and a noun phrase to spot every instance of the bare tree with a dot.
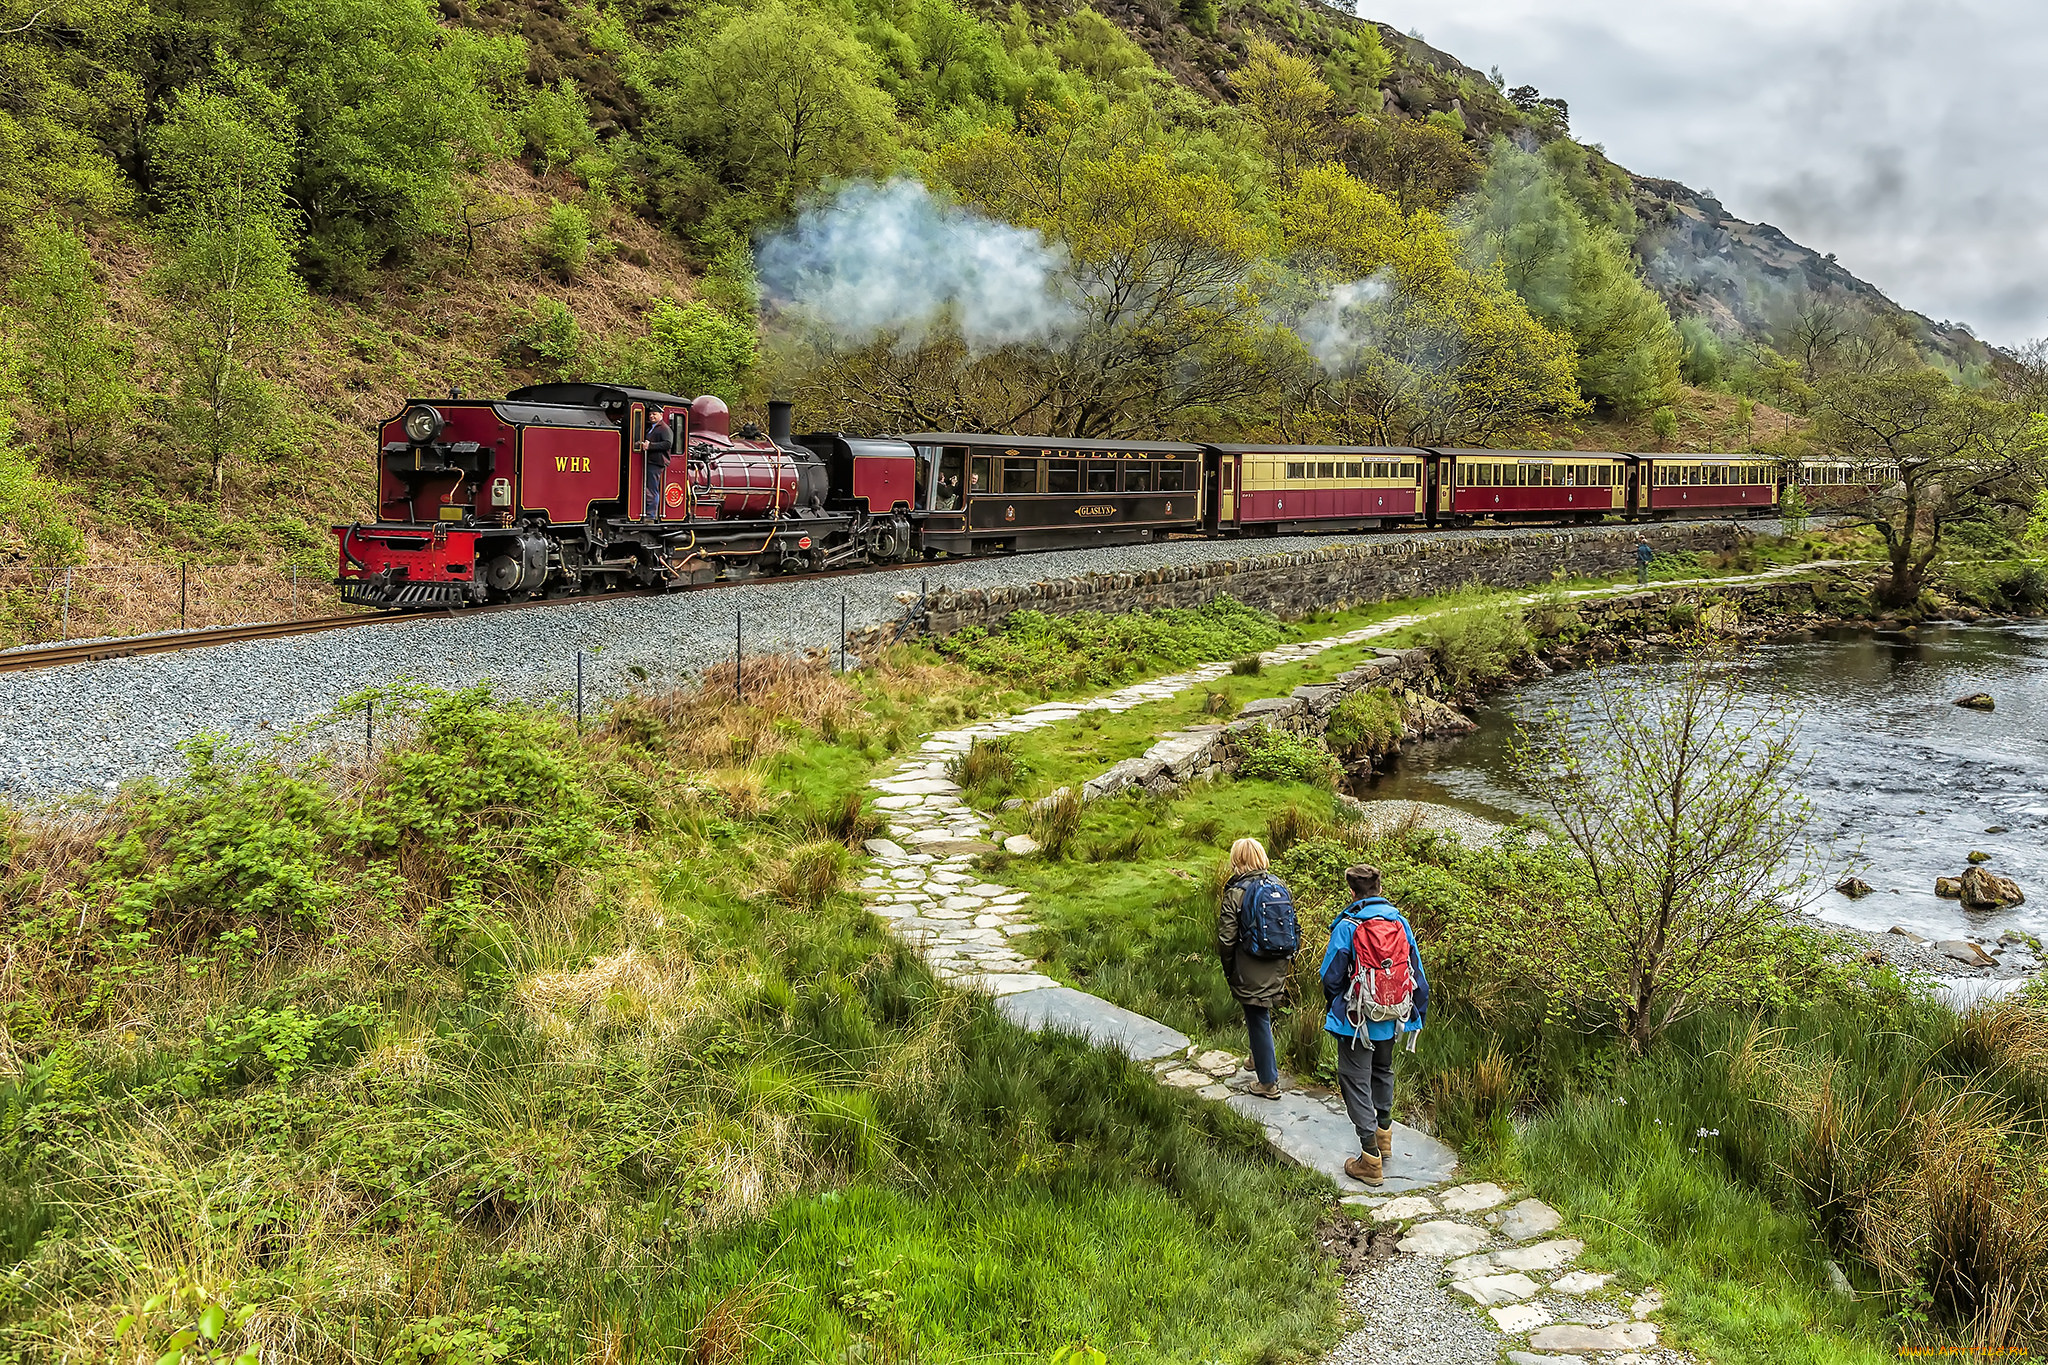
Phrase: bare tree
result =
(1676, 793)
(1932, 455)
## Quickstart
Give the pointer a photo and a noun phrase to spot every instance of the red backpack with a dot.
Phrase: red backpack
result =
(1382, 983)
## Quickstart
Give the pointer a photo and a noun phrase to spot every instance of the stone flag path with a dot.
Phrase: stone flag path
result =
(925, 888)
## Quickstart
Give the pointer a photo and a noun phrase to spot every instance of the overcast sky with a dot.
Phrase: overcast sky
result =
(1910, 137)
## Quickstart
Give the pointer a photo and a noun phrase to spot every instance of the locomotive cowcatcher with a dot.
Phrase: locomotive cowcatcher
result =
(546, 491)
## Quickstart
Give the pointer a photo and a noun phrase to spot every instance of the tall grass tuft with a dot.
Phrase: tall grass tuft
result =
(1477, 642)
(989, 770)
(811, 873)
(1056, 820)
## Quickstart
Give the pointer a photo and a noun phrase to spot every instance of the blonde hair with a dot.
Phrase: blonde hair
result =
(1247, 855)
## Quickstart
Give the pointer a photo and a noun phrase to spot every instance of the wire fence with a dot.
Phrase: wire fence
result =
(49, 604)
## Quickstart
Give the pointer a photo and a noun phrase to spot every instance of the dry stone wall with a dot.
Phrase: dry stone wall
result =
(1294, 583)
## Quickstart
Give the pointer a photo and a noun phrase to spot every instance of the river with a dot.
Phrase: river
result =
(1903, 782)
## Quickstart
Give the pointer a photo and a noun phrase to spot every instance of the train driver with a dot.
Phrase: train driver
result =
(658, 444)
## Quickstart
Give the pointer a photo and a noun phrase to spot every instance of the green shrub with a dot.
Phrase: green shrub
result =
(1091, 649)
(1269, 755)
(555, 125)
(1368, 720)
(1477, 646)
(694, 349)
(550, 333)
(562, 241)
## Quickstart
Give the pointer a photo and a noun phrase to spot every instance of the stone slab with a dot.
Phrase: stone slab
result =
(1531, 1358)
(1580, 1282)
(1314, 1133)
(1550, 1255)
(1571, 1336)
(1488, 1290)
(1444, 1238)
(1473, 1198)
(1530, 1218)
(1519, 1317)
(1065, 1010)
(1406, 1206)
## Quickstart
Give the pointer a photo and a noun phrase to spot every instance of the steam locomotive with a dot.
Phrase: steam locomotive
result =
(547, 492)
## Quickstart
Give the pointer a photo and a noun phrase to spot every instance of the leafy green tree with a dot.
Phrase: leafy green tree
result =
(385, 102)
(1935, 456)
(692, 349)
(1087, 42)
(75, 368)
(1288, 101)
(1411, 345)
(1417, 165)
(221, 162)
(770, 103)
(1577, 276)
(555, 125)
(1702, 357)
(67, 85)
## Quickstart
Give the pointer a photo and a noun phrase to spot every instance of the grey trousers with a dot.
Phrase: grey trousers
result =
(1365, 1077)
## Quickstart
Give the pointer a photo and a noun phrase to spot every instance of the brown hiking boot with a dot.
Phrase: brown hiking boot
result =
(1365, 1167)
(1386, 1144)
(1264, 1090)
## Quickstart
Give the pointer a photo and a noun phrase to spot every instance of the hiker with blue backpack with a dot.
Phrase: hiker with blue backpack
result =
(1257, 937)
(1372, 977)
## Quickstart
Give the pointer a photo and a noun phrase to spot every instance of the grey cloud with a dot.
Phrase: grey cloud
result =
(1905, 136)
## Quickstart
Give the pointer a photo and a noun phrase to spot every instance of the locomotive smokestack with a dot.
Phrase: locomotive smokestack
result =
(780, 423)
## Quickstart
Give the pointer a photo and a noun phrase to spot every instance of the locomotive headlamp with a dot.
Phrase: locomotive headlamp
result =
(422, 424)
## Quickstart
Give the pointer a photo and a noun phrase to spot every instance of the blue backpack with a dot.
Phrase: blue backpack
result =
(1266, 926)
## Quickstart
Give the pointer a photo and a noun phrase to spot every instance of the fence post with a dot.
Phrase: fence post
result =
(579, 689)
(737, 693)
(369, 729)
(295, 592)
(181, 595)
(842, 632)
(67, 604)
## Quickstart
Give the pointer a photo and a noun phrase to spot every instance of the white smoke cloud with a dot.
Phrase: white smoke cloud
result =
(1337, 326)
(891, 259)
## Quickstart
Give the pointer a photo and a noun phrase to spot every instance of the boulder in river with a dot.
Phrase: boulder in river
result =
(1966, 952)
(1948, 888)
(1978, 855)
(1978, 701)
(1982, 890)
(1855, 888)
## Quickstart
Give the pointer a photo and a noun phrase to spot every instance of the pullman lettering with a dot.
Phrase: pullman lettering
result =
(572, 464)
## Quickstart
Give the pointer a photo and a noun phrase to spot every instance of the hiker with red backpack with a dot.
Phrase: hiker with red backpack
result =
(1257, 937)
(1372, 977)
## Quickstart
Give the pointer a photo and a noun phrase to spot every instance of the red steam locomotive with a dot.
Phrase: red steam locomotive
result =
(547, 491)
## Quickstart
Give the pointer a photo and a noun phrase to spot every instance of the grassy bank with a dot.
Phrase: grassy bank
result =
(1835, 1116)
(524, 1045)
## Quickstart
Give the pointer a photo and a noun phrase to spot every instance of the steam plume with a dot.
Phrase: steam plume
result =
(892, 260)
(1338, 325)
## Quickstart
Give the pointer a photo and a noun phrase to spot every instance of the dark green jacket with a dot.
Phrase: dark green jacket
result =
(1253, 980)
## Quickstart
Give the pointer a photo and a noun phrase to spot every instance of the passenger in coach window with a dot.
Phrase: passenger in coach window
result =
(658, 445)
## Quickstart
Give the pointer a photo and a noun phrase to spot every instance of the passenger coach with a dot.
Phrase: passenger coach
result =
(998, 493)
(1270, 489)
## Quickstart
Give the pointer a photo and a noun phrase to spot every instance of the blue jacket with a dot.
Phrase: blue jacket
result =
(1338, 963)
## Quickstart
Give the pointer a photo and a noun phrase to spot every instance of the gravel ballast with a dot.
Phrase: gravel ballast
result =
(88, 727)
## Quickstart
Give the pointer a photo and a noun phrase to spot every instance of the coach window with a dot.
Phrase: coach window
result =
(1137, 476)
(1327, 468)
(1020, 476)
(1063, 476)
(979, 483)
(952, 466)
(1295, 470)
(1102, 476)
(1173, 477)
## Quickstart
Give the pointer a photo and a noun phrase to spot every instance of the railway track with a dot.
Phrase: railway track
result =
(172, 642)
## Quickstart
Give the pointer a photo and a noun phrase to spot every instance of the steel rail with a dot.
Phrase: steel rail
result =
(172, 642)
